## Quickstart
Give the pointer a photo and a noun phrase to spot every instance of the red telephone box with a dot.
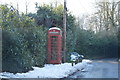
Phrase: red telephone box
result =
(54, 46)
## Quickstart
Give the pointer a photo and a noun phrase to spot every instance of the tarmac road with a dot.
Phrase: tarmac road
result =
(105, 68)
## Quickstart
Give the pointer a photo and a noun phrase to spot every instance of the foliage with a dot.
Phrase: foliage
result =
(23, 43)
(91, 45)
(15, 53)
(48, 16)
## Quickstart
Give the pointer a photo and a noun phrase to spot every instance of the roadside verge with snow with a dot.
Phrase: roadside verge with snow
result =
(48, 71)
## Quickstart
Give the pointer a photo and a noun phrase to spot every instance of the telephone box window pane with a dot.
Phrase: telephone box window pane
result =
(54, 47)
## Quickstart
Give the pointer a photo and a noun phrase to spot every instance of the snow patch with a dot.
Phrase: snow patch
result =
(54, 28)
(87, 61)
(48, 71)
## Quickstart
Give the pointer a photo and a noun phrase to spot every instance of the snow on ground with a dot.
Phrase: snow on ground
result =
(48, 71)
(87, 61)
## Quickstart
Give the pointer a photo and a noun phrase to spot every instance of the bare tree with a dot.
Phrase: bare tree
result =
(119, 13)
(107, 15)
(26, 6)
(17, 8)
(105, 19)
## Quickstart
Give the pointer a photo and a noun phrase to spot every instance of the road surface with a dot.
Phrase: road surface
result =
(106, 68)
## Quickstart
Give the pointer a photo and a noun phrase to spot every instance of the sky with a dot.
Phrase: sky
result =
(76, 7)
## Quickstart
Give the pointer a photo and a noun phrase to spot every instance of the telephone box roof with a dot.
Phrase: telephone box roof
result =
(55, 28)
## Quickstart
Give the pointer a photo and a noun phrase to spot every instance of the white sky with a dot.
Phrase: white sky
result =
(77, 7)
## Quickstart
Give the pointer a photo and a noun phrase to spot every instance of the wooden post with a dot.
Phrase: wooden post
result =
(64, 32)
(1, 14)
